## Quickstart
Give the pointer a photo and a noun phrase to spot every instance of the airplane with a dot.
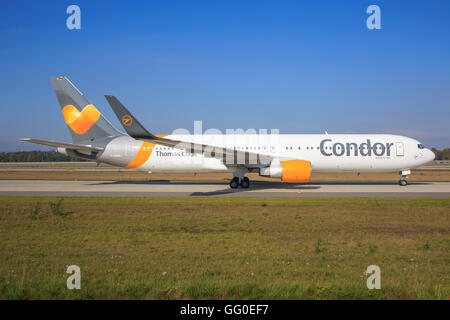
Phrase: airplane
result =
(289, 157)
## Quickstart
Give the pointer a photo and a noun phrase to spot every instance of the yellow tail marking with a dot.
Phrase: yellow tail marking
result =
(80, 122)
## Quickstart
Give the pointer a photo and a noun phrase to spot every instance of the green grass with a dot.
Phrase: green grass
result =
(224, 248)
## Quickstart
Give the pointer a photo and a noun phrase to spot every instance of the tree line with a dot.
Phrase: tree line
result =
(35, 156)
(441, 154)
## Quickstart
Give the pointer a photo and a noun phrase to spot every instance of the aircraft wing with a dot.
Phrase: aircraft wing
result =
(229, 156)
(62, 145)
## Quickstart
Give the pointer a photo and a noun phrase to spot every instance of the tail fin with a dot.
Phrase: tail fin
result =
(85, 122)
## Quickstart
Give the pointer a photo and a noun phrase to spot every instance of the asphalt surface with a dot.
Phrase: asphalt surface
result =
(215, 189)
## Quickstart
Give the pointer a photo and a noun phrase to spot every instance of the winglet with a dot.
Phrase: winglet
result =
(131, 125)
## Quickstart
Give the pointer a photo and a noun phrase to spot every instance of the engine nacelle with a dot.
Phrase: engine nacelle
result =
(288, 171)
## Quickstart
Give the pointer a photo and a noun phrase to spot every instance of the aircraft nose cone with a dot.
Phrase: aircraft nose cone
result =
(430, 155)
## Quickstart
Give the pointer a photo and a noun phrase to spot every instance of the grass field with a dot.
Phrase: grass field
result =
(224, 248)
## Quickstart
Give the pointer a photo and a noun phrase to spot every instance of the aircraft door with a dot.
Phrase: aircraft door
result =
(400, 150)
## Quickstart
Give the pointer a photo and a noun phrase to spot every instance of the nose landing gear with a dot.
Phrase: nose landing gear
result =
(402, 180)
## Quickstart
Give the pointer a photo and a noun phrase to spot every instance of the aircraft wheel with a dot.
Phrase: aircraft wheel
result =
(245, 183)
(234, 183)
(402, 182)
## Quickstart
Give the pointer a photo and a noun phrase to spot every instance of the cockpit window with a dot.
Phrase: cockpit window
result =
(421, 146)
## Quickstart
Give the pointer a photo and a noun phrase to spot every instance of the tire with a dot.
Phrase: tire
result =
(234, 183)
(403, 183)
(245, 183)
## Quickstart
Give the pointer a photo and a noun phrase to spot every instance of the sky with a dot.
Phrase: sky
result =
(296, 66)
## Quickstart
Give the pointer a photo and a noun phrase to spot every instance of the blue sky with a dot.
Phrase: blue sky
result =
(299, 66)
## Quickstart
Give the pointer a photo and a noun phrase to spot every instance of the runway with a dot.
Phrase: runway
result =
(218, 189)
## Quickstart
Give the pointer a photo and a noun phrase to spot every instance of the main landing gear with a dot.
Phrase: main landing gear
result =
(236, 182)
(239, 179)
(402, 180)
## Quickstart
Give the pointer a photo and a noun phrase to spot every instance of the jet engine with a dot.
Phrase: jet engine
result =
(288, 170)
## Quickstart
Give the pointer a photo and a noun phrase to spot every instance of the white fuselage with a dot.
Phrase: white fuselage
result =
(326, 152)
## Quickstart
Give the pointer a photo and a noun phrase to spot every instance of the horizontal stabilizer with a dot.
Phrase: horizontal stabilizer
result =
(62, 145)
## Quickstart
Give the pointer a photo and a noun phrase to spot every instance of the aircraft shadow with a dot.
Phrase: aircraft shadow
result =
(255, 185)
(258, 184)
(161, 182)
(262, 185)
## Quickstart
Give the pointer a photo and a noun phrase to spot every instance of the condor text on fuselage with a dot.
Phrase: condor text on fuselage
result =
(339, 149)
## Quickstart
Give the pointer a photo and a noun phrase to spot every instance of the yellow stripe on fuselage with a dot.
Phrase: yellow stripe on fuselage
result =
(142, 156)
